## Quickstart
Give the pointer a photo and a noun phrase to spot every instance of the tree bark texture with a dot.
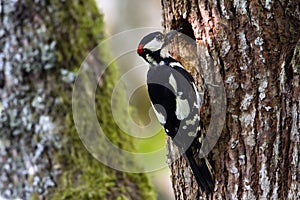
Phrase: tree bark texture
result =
(255, 49)
(42, 45)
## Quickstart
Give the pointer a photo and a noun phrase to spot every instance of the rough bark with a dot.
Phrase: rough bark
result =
(42, 45)
(255, 50)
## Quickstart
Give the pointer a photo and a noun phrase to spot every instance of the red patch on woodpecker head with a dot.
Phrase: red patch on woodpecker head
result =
(140, 49)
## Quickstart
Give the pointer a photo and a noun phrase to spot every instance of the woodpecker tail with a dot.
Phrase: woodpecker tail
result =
(202, 172)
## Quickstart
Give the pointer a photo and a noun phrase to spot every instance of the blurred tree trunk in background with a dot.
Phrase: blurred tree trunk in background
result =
(255, 49)
(42, 46)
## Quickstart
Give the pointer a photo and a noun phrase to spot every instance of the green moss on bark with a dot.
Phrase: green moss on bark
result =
(78, 27)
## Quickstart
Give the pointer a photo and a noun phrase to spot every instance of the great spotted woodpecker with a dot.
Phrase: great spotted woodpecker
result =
(176, 102)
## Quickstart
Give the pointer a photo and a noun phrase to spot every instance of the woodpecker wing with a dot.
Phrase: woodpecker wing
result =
(175, 101)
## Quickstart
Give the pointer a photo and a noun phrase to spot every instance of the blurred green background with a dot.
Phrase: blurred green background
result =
(125, 15)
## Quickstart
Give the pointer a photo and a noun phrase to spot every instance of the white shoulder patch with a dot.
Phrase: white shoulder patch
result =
(182, 108)
(173, 83)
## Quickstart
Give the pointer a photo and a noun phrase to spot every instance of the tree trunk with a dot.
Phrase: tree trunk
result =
(252, 50)
(41, 155)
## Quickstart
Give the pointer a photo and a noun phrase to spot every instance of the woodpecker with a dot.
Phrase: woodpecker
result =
(176, 103)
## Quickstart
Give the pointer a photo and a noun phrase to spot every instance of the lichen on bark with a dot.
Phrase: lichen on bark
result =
(41, 154)
(255, 48)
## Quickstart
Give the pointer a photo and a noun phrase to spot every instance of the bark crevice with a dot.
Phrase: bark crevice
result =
(253, 45)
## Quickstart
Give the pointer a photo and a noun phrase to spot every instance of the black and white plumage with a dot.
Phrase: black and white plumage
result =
(176, 103)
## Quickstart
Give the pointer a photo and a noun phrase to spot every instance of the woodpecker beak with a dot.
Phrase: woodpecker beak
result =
(140, 49)
(169, 36)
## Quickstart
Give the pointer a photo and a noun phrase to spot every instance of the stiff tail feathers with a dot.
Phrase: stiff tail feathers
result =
(202, 172)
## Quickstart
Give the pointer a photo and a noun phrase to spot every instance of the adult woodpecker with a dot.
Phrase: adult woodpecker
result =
(176, 102)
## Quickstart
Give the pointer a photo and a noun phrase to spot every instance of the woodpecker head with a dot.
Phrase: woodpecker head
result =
(152, 42)
(150, 46)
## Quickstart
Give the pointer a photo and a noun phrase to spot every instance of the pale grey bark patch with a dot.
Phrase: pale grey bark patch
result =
(29, 133)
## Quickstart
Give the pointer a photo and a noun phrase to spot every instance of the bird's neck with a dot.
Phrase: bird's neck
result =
(155, 58)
